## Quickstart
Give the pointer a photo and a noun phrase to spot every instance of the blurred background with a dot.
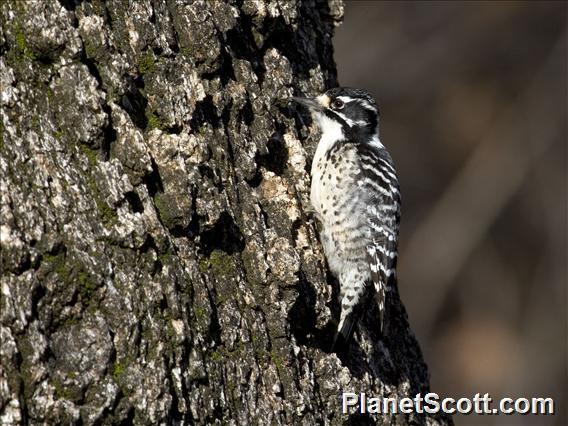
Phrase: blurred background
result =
(473, 100)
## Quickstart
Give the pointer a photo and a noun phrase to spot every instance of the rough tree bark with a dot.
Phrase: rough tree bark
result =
(158, 266)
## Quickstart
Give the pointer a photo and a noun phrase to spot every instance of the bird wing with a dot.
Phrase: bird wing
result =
(383, 216)
(381, 255)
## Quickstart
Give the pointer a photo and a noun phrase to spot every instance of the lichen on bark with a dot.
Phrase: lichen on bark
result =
(158, 265)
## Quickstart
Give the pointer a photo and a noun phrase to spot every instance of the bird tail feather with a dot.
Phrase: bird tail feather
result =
(344, 332)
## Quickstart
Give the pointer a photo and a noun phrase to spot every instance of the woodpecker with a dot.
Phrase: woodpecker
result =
(355, 196)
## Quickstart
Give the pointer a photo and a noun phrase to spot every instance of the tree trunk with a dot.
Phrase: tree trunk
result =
(158, 266)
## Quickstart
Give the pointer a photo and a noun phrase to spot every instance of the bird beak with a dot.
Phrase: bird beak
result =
(311, 104)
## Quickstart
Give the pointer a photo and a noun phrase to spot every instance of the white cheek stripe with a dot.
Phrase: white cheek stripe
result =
(350, 122)
(367, 105)
(364, 103)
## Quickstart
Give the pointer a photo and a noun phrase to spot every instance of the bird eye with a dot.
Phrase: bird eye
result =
(337, 104)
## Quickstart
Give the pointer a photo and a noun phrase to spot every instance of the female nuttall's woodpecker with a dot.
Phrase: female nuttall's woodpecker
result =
(355, 195)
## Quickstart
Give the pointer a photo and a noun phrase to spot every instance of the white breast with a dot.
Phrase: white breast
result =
(331, 133)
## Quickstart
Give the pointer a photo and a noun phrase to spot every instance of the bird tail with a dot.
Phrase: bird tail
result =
(344, 332)
(381, 298)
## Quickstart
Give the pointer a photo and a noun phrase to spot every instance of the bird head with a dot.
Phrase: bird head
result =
(351, 111)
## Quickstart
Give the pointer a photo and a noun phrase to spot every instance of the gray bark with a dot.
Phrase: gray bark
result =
(158, 265)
